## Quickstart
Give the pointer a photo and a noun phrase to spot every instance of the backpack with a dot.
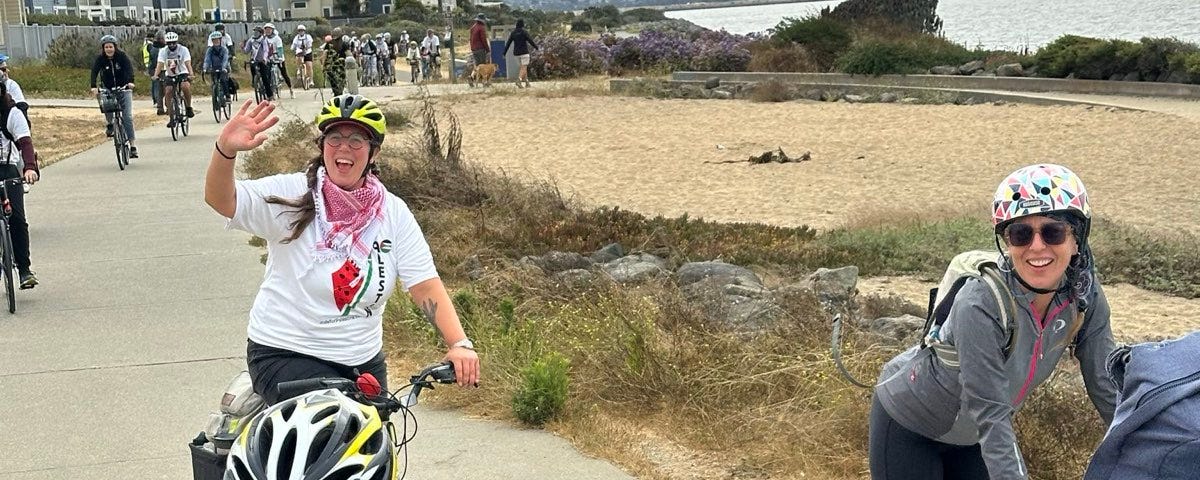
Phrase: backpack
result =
(980, 264)
(1155, 433)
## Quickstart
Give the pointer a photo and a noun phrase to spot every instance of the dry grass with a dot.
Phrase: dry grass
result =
(63, 132)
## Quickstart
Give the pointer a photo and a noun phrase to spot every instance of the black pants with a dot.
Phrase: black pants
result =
(898, 453)
(16, 222)
(263, 70)
(271, 366)
(283, 72)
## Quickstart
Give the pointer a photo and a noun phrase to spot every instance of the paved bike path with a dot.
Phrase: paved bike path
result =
(112, 364)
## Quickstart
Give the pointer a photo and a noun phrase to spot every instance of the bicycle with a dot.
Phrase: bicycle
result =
(6, 244)
(259, 429)
(277, 72)
(220, 99)
(260, 93)
(301, 73)
(111, 102)
(179, 115)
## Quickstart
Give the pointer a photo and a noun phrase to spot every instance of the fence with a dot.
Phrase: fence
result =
(33, 41)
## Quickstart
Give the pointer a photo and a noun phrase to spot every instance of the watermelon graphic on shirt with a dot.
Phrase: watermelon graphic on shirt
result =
(346, 284)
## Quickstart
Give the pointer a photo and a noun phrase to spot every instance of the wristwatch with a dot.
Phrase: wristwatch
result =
(464, 343)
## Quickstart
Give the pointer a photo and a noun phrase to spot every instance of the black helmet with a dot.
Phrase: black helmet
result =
(220, 27)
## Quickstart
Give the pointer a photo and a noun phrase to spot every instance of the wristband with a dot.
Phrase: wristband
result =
(219, 152)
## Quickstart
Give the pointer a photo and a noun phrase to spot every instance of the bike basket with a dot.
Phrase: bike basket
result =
(207, 464)
(109, 102)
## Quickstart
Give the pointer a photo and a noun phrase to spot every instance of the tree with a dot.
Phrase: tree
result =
(348, 8)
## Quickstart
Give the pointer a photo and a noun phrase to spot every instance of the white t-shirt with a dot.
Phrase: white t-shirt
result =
(433, 44)
(175, 62)
(302, 44)
(19, 128)
(14, 90)
(333, 310)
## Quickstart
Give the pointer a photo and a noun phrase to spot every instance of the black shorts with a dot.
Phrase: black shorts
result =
(176, 80)
(270, 366)
(308, 57)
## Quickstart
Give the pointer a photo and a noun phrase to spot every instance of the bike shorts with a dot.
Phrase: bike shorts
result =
(270, 366)
(178, 79)
(308, 57)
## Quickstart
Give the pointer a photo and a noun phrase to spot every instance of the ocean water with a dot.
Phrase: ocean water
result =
(996, 24)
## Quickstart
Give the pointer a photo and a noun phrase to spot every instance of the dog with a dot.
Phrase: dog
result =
(483, 74)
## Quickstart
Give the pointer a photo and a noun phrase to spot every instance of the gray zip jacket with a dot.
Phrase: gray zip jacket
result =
(975, 403)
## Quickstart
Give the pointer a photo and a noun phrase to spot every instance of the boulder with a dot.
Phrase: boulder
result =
(815, 94)
(902, 330)
(712, 82)
(1010, 70)
(608, 253)
(720, 94)
(856, 98)
(836, 285)
(554, 262)
(889, 97)
(944, 70)
(635, 268)
(720, 272)
(473, 267)
(970, 68)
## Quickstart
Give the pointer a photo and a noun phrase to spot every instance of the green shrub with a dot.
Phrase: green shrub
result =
(543, 390)
(1155, 59)
(643, 15)
(72, 51)
(56, 19)
(875, 57)
(823, 37)
(581, 26)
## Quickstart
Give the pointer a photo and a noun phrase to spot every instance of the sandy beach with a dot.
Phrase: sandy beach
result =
(870, 163)
(654, 156)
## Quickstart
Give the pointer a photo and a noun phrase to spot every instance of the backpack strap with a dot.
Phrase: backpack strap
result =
(990, 275)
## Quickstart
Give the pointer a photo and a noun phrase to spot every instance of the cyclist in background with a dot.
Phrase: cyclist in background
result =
(14, 89)
(216, 59)
(115, 71)
(302, 45)
(259, 48)
(17, 160)
(176, 62)
(277, 56)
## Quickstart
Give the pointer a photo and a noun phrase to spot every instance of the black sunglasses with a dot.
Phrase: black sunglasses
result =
(1021, 234)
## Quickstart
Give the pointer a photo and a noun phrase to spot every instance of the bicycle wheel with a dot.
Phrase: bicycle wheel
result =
(226, 108)
(9, 289)
(184, 125)
(119, 143)
(217, 97)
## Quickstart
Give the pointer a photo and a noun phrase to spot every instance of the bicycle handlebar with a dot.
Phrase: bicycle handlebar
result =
(387, 404)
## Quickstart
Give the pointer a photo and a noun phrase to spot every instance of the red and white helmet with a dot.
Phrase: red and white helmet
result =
(1039, 189)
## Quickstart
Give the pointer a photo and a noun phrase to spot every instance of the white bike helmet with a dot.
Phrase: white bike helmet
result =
(269, 25)
(316, 436)
(171, 37)
(301, 28)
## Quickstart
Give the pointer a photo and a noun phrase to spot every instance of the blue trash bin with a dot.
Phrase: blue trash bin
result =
(498, 58)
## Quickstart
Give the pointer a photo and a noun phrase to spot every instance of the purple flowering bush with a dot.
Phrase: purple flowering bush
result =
(654, 51)
(560, 56)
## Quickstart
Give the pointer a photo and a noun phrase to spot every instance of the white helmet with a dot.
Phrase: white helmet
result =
(269, 25)
(316, 436)
(301, 27)
(171, 37)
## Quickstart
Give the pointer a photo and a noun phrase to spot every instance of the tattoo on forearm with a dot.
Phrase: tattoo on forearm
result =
(429, 308)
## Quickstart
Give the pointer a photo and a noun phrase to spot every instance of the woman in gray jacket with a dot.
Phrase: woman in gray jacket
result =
(935, 416)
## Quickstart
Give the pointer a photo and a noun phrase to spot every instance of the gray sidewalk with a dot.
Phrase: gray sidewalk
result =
(112, 364)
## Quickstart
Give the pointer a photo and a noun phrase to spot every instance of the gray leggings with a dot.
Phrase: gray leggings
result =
(126, 114)
(270, 366)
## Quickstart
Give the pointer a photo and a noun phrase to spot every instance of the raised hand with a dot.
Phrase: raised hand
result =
(247, 129)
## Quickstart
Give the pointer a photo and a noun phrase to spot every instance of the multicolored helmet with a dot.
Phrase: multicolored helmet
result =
(1039, 189)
